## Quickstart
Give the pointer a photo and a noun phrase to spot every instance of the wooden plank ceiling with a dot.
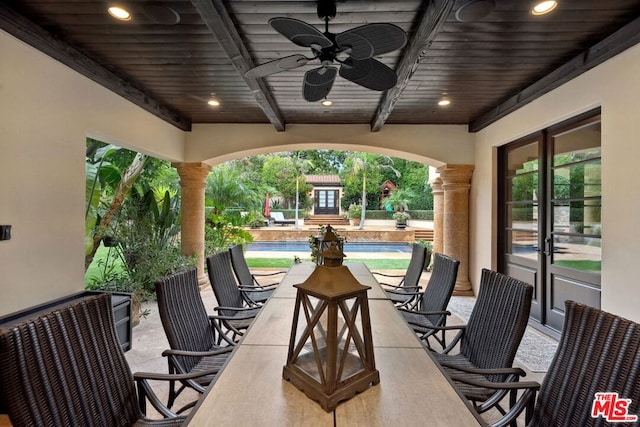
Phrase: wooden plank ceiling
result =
(487, 67)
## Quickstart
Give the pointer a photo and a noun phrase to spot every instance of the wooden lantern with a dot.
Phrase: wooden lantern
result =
(330, 355)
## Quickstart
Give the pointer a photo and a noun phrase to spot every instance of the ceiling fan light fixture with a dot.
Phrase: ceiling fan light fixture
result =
(543, 7)
(119, 12)
(327, 102)
(444, 102)
(213, 103)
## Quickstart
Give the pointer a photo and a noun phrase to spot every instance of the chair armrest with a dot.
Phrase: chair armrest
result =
(145, 392)
(426, 313)
(172, 352)
(268, 274)
(256, 288)
(497, 371)
(525, 401)
(237, 310)
(411, 290)
(388, 275)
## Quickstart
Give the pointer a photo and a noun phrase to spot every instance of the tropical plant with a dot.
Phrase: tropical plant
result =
(226, 190)
(99, 176)
(399, 199)
(220, 233)
(355, 211)
(401, 217)
(362, 164)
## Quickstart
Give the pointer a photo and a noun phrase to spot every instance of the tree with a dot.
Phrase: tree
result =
(363, 164)
(399, 199)
(301, 166)
(109, 176)
(226, 190)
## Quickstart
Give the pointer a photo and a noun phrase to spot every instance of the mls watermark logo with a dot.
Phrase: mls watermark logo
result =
(612, 408)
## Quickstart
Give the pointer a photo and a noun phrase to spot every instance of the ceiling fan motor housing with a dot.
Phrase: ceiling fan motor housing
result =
(326, 9)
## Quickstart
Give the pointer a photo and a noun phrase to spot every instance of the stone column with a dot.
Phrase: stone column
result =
(456, 182)
(438, 211)
(192, 181)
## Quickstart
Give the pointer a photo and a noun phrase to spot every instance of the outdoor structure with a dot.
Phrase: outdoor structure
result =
(385, 190)
(326, 194)
(47, 110)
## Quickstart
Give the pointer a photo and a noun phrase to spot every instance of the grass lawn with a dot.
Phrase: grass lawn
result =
(97, 266)
(583, 265)
(373, 264)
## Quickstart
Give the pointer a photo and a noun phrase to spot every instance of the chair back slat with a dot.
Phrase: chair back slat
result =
(497, 322)
(224, 282)
(416, 265)
(597, 352)
(438, 292)
(240, 267)
(183, 315)
(67, 368)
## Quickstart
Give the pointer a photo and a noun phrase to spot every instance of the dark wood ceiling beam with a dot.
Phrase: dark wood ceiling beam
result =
(428, 28)
(34, 35)
(616, 43)
(217, 19)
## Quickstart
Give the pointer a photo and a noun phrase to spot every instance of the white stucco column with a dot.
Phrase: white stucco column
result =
(193, 181)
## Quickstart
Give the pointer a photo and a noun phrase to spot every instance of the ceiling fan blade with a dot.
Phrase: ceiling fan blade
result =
(276, 66)
(369, 73)
(370, 40)
(300, 32)
(318, 83)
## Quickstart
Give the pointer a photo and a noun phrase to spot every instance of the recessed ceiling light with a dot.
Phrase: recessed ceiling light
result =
(119, 12)
(327, 103)
(444, 102)
(543, 7)
(213, 102)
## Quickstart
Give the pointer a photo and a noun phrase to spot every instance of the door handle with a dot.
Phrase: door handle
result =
(547, 246)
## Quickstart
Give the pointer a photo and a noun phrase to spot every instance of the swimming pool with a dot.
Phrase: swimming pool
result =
(348, 247)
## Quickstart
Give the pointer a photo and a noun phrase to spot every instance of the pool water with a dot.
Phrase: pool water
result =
(348, 247)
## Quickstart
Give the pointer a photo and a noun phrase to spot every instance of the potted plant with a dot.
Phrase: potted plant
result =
(401, 218)
(355, 213)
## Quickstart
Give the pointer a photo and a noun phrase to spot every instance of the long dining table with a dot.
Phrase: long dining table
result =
(250, 390)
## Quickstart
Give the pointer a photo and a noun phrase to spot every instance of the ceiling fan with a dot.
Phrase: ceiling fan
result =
(351, 50)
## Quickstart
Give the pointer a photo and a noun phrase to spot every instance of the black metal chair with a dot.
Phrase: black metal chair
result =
(404, 293)
(237, 307)
(247, 279)
(430, 307)
(66, 368)
(490, 339)
(193, 335)
(598, 352)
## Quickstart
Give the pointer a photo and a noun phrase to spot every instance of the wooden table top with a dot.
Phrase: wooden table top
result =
(250, 391)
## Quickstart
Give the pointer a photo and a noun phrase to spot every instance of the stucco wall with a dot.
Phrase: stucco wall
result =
(432, 144)
(46, 112)
(614, 85)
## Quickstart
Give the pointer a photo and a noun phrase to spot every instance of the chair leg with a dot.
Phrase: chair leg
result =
(172, 388)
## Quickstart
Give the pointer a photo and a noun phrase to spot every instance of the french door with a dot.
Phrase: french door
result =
(549, 222)
(326, 202)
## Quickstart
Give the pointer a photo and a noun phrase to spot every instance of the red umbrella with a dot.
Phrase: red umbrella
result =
(267, 206)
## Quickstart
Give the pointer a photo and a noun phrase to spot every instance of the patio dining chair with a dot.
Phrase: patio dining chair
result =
(193, 335)
(236, 306)
(247, 279)
(593, 380)
(490, 339)
(66, 368)
(430, 307)
(405, 291)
